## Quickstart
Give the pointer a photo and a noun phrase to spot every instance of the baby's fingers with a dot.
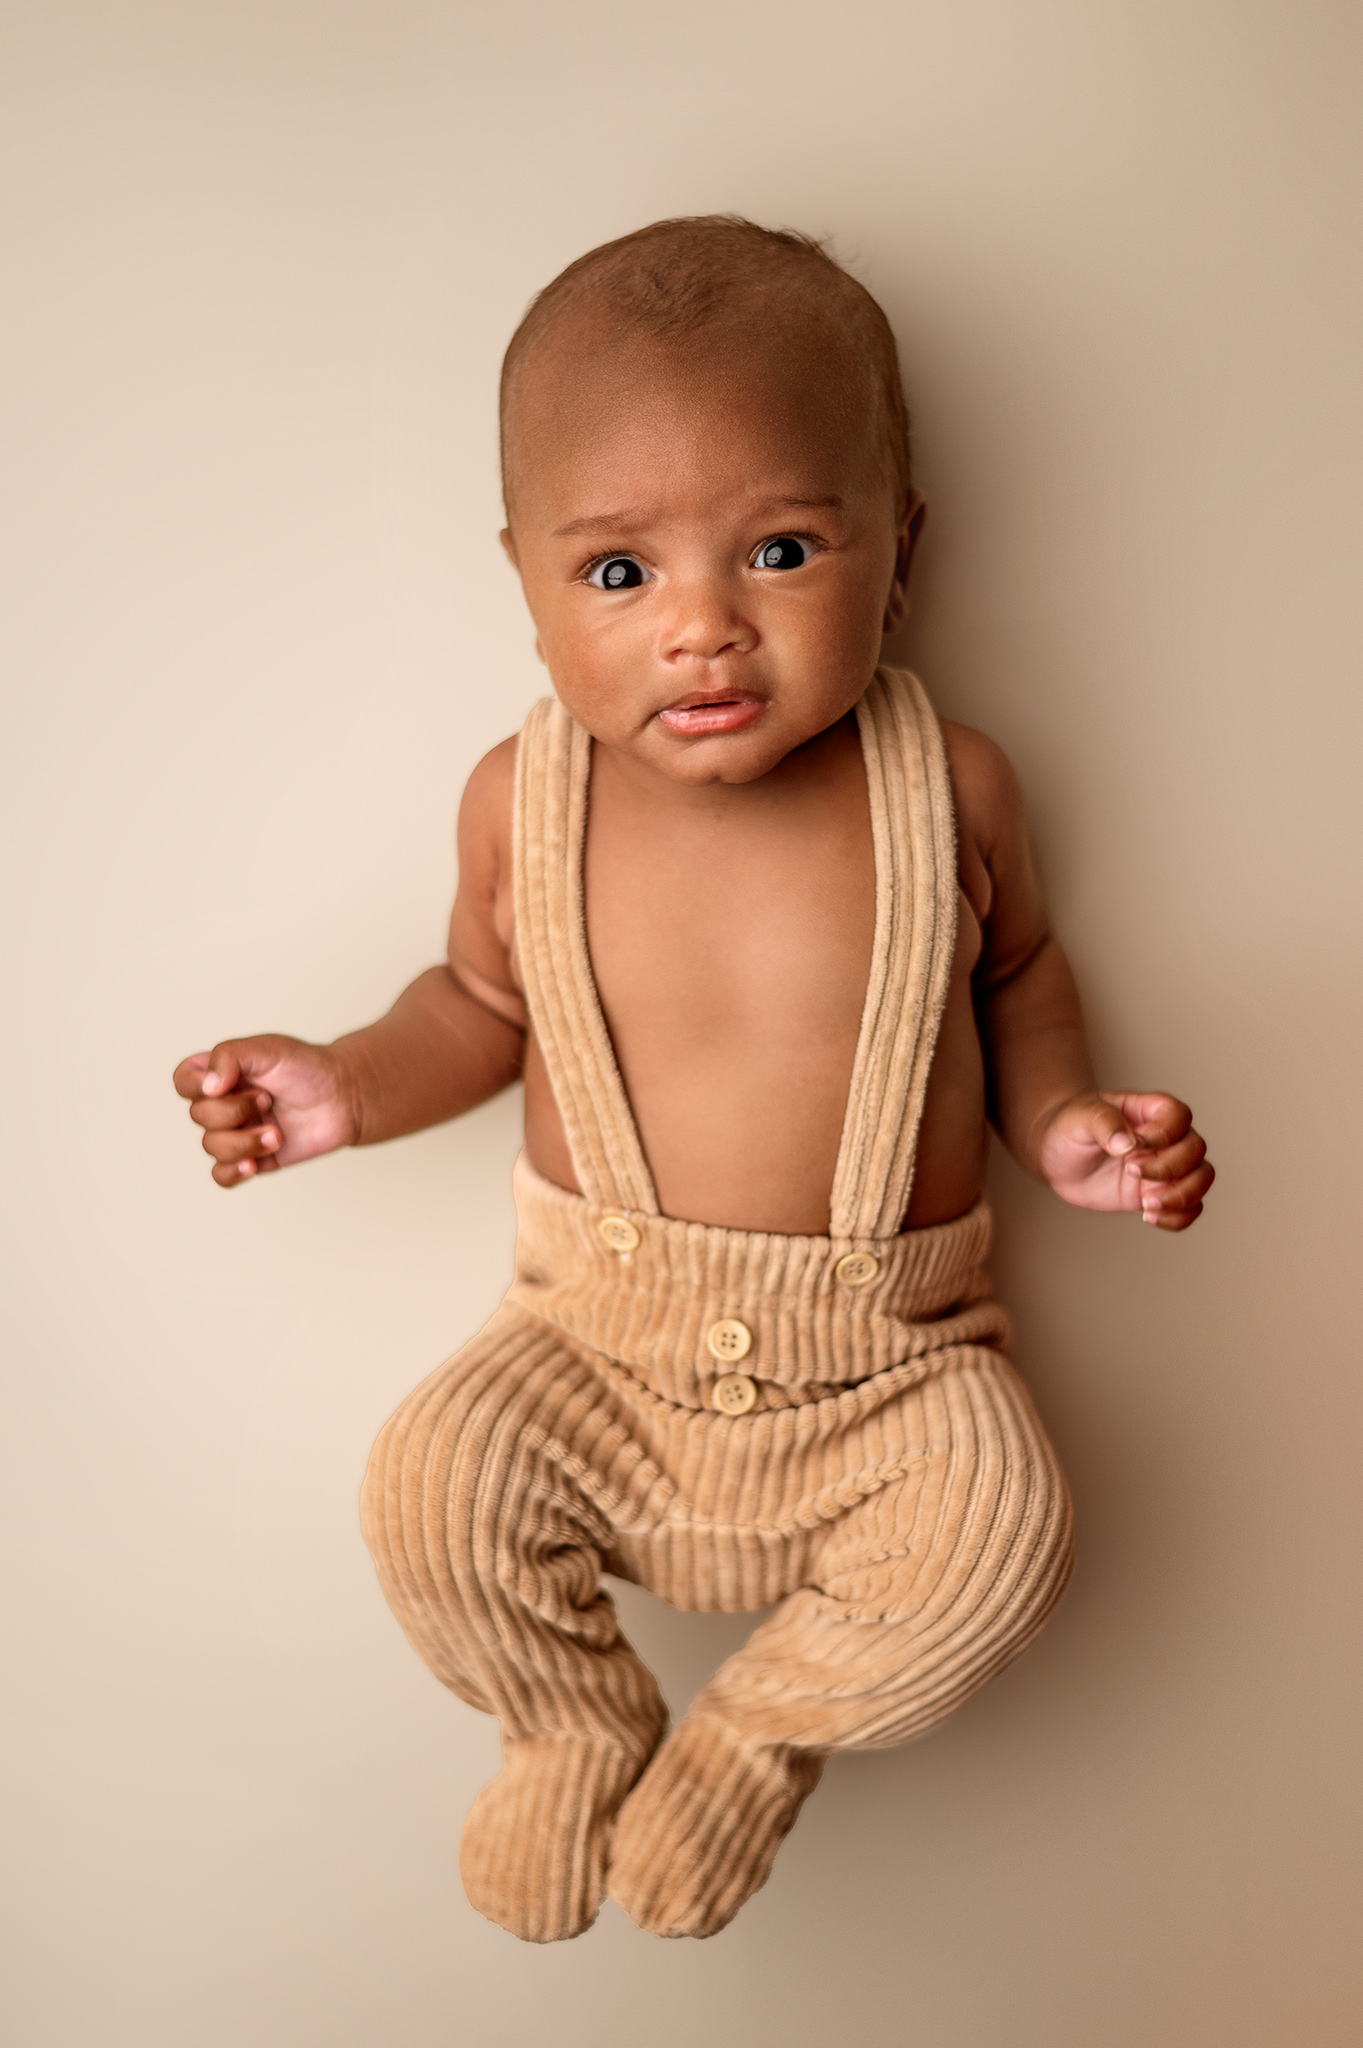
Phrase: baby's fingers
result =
(1178, 1203)
(234, 1149)
(229, 1112)
(1175, 1160)
(1156, 1119)
(208, 1073)
(188, 1077)
(1107, 1126)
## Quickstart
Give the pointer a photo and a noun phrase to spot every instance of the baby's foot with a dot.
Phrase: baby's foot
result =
(533, 1857)
(699, 1834)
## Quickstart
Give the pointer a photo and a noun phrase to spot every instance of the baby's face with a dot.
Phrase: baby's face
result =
(708, 543)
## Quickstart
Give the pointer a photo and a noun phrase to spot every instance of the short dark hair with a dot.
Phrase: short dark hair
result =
(676, 276)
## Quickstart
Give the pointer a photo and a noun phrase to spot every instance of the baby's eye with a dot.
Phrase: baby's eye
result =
(618, 572)
(787, 551)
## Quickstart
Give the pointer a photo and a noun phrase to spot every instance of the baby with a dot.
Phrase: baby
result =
(764, 941)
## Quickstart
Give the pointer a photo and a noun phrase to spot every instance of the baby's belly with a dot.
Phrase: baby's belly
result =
(748, 1145)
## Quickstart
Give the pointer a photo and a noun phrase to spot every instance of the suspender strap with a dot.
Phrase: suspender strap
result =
(553, 770)
(914, 834)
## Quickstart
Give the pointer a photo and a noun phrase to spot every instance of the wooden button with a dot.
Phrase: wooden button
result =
(617, 1232)
(729, 1340)
(854, 1269)
(734, 1394)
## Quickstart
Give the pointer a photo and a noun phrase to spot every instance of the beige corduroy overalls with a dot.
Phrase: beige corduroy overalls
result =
(730, 1418)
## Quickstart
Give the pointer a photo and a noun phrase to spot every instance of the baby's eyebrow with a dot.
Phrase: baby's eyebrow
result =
(614, 522)
(595, 522)
(831, 504)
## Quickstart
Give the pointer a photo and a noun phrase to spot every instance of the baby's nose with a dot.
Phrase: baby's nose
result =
(707, 622)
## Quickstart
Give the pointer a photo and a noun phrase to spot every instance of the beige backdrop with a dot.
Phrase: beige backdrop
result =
(261, 262)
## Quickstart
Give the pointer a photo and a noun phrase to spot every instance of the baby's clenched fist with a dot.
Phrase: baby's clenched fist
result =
(267, 1102)
(1127, 1151)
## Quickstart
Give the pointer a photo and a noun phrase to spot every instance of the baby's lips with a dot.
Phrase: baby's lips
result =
(698, 718)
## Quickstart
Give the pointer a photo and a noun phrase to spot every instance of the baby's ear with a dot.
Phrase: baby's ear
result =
(509, 546)
(910, 529)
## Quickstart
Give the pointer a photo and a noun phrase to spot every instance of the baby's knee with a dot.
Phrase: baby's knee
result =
(1014, 1534)
(1054, 1565)
(435, 1444)
(466, 1471)
(395, 1481)
(978, 1543)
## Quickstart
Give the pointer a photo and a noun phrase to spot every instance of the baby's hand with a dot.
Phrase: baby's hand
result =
(267, 1102)
(1104, 1151)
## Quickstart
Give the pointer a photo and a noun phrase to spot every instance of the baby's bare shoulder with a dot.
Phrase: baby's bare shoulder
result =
(991, 816)
(996, 867)
(485, 810)
(482, 923)
(988, 794)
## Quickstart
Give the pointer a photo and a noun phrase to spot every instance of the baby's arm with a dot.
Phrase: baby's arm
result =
(452, 1039)
(1096, 1148)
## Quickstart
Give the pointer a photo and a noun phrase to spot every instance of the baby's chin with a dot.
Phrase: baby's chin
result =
(735, 756)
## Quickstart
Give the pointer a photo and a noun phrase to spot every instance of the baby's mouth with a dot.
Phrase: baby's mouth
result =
(703, 712)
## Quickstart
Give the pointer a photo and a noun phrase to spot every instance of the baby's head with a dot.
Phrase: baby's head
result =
(706, 466)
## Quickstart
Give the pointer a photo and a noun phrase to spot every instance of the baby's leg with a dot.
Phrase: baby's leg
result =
(487, 1507)
(920, 1594)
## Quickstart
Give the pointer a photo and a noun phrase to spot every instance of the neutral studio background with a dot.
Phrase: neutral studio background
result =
(261, 261)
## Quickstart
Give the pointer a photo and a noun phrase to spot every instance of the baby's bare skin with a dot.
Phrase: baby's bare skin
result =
(729, 880)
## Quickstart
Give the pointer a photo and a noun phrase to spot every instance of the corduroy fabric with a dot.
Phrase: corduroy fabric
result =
(913, 1527)
(890, 1491)
(549, 830)
(651, 1307)
(913, 831)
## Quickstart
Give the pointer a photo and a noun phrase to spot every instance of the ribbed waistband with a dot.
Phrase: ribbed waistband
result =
(649, 1295)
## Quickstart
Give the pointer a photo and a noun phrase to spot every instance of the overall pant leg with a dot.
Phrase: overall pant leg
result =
(918, 1596)
(487, 1507)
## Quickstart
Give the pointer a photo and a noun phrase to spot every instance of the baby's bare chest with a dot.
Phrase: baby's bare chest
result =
(750, 938)
(731, 959)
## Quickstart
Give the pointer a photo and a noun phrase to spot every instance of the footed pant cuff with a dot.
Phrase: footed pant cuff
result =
(533, 1856)
(699, 1833)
